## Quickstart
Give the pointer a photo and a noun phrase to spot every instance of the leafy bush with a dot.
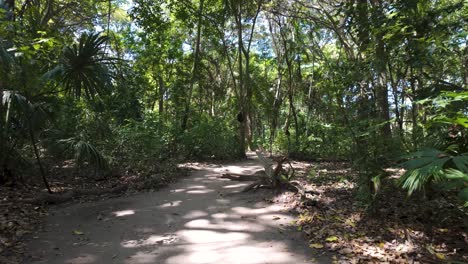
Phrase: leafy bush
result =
(210, 138)
(139, 143)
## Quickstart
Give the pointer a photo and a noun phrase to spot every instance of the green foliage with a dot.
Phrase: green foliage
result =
(140, 143)
(84, 67)
(82, 151)
(209, 138)
(434, 166)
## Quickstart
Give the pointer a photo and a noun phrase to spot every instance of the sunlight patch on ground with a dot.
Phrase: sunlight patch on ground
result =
(257, 211)
(83, 259)
(219, 216)
(197, 187)
(232, 186)
(223, 201)
(207, 236)
(170, 204)
(230, 253)
(247, 226)
(195, 214)
(141, 258)
(151, 240)
(238, 169)
(178, 190)
(123, 213)
(200, 191)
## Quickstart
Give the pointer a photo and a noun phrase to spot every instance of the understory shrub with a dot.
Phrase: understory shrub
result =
(209, 138)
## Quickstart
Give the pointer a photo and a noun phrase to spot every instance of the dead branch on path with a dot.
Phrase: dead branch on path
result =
(274, 176)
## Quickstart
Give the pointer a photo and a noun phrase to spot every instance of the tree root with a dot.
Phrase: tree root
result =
(47, 198)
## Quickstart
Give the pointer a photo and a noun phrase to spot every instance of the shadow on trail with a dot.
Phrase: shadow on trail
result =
(201, 219)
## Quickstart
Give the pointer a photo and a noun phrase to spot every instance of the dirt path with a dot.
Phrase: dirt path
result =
(200, 219)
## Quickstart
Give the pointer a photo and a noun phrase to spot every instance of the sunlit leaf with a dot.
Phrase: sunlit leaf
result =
(316, 245)
(440, 256)
(78, 232)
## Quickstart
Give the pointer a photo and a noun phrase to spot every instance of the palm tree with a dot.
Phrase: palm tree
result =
(84, 67)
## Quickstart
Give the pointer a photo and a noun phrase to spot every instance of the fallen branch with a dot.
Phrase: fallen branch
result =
(57, 198)
(268, 178)
(244, 177)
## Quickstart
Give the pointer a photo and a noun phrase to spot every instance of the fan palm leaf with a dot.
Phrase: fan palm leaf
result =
(84, 68)
(431, 165)
(83, 151)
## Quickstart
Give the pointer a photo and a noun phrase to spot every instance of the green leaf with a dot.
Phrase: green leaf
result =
(454, 174)
(463, 194)
(461, 162)
(316, 245)
(78, 233)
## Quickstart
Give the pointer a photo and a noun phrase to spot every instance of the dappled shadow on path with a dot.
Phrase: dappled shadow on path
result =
(201, 219)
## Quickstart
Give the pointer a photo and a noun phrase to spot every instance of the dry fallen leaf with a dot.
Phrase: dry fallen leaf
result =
(345, 251)
(331, 239)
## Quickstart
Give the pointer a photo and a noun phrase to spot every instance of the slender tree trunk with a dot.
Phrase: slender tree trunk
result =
(248, 84)
(414, 111)
(241, 86)
(278, 93)
(464, 72)
(38, 159)
(382, 90)
(195, 69)
(162, 90)
(292, 108)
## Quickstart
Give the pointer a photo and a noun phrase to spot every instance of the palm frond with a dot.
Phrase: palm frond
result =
(83, 151)
(24, 111)
(461, 162)
(84, 68)
(431, 165)
(6, 60)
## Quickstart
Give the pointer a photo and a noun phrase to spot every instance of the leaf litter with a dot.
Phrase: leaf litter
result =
(392, 229)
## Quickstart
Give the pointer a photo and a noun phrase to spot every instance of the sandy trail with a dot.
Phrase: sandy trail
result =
(200, 219)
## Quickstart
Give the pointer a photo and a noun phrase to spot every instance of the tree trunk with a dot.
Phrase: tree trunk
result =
(195, 73)
(381, 90)
(241, 99)
(162, 90)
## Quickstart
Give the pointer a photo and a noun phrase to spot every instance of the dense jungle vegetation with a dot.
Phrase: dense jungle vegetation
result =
(113, 87)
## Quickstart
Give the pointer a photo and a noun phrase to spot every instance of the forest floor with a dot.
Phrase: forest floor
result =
(202, 218)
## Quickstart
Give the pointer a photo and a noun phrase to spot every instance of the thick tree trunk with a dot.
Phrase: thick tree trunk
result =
(381, 90)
